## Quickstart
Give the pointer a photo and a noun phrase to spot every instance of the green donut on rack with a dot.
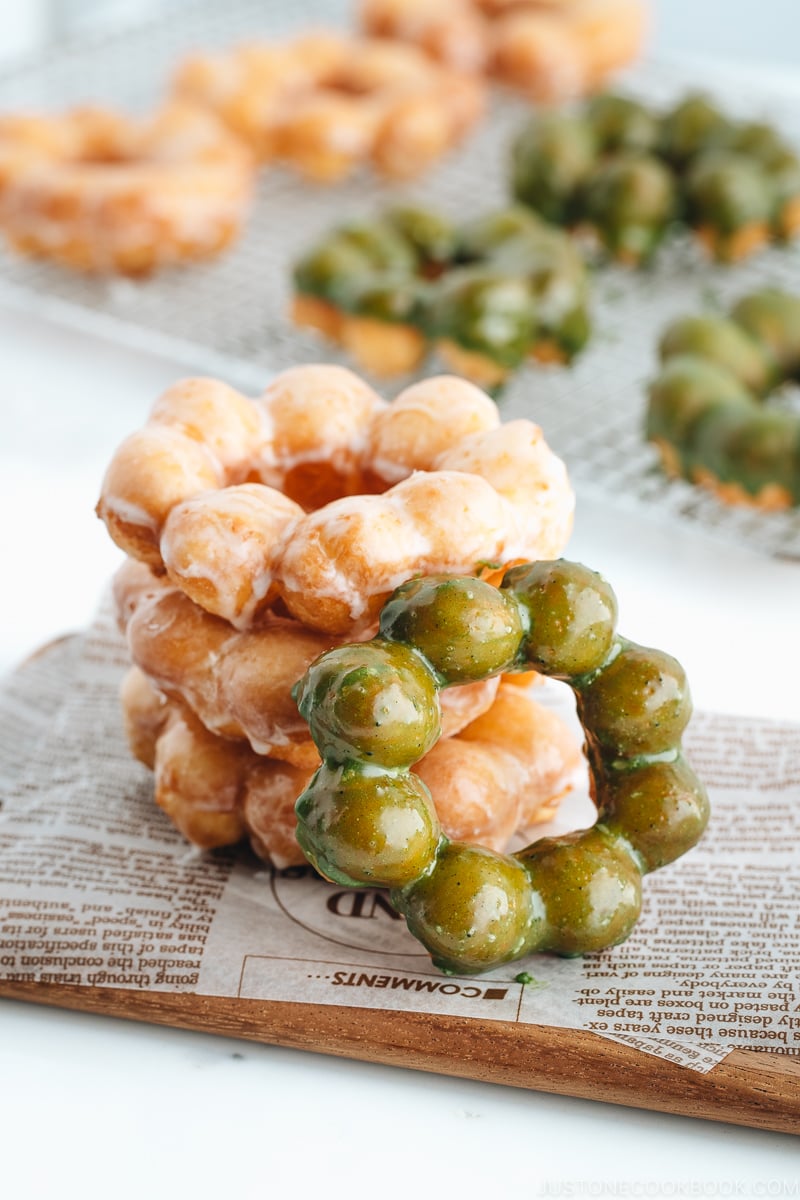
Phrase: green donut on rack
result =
(366, 819)
(626, 174)
(486, 295)
(707, 413)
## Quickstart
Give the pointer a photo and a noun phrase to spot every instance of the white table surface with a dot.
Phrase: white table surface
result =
(93, 1107)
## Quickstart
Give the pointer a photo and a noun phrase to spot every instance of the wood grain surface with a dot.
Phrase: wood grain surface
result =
(749, 1087)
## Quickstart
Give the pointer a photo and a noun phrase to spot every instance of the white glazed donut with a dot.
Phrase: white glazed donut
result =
(105, 193)
(466, 490)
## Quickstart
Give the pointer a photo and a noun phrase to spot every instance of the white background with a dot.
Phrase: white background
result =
(748, 30)
(95, 1108)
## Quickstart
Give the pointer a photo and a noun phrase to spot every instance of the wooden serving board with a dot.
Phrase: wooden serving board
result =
(753, 1088)
(749, 1087)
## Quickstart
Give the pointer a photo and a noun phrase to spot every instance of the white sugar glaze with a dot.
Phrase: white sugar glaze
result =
(488, 492)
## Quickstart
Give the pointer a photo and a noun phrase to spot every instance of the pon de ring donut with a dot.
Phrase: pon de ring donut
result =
(373, 710)
(710, 410)
(101, 192)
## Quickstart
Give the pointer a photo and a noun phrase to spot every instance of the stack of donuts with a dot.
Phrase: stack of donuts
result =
(262, 533)
(547, 49)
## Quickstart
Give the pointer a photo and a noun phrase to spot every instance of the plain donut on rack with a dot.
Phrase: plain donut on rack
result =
(327, 103)
(101, 192)
(547, 49)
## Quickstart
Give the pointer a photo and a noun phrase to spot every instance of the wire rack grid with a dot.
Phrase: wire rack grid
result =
(229, 317)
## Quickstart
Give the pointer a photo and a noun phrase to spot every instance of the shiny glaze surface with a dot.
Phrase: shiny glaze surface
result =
(365, 817)
(709, 406)
(501, 287)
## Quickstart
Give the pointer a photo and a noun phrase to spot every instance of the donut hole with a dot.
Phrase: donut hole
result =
(105, 156)
(315, 484)
(104, 140)
(341, 83)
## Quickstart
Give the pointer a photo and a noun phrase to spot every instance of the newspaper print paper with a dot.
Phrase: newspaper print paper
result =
(97, 888)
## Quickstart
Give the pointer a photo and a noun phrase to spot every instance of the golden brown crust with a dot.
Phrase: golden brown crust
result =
(472, 365)
(670, 459)
(734, 247)
(770, 498)
(552, 50)
(101, 193)
(548, 353)
(487, 782)
(309, 312)
(327, 103)
(381, 348)
(319, 436)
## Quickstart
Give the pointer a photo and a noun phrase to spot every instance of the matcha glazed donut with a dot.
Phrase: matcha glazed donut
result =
(626, 174)
(367, 820)
(707, 413)
(486, 295)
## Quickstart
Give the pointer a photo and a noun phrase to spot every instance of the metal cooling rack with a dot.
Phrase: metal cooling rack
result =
(229, 317)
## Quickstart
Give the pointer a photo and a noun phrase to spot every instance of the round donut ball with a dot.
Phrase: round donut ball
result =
(360, 826)
(474, 910)
(772, 317)
(661, 809)
(591, 888)
(623, 124)
(720, 341)
(630, 200)
(376, 701)
(466, 628)
(638, 704)
(572, 613)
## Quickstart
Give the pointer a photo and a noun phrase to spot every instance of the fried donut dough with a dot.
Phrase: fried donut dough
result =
(502, 774)
(465, 490)
(327, 103)
(551, 50)
(101, 192)
(239, 685)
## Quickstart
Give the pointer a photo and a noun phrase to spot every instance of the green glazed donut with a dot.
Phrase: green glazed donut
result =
(489, 293)
(708, 408)
(627, 174)
(366, 818)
